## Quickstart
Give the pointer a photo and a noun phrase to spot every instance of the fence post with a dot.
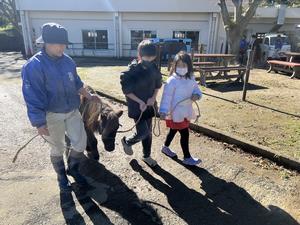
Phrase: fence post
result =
(159, 56)
(247, 73)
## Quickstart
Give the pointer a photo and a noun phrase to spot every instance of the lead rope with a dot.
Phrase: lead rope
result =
(35, 136)
(45, 139)
(130, 129)
(157, 121)
(156, 124)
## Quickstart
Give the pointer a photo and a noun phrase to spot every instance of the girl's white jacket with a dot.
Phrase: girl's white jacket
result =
(177, 89)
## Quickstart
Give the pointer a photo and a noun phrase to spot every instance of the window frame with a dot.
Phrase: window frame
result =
(133, 46)
(93, 45)
(185, 36)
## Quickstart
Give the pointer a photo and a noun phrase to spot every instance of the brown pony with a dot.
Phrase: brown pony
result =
(102, 118)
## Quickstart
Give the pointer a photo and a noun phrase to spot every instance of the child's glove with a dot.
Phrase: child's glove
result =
(195, 97)
(163, 116)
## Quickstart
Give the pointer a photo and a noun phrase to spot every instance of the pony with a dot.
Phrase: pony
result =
(101, 118)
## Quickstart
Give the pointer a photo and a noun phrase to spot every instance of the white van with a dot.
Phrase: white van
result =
(268, 46)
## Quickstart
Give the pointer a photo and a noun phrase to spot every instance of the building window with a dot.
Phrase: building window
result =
(138, 35)
(193, 35)
(95, 39)
(266, 41)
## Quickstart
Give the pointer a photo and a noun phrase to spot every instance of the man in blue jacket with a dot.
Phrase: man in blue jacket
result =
(51, 89)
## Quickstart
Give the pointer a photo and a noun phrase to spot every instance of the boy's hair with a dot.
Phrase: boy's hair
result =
(146, 48)
(185, 58)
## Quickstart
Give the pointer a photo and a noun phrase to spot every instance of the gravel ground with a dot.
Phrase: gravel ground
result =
(230, 187)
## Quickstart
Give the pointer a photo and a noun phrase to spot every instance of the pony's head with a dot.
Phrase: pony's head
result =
(102, 118)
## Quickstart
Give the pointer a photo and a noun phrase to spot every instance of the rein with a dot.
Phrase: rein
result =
(156, 124)
(157, 121)
(35, 136)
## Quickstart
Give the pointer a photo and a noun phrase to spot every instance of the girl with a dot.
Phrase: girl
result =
(176, 108)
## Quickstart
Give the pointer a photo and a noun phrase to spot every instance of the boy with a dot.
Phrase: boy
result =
(140, 84)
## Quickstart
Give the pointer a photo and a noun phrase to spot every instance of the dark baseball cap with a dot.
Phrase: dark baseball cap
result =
(53, 33)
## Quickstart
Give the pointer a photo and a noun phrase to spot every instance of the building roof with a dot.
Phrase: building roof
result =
(120, 5)
(177, 6)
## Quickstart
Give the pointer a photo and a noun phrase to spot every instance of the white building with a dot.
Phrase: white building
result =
(114, 27)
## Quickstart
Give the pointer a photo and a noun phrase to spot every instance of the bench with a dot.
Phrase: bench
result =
(203, 72)
(203, 63)
(284, 66)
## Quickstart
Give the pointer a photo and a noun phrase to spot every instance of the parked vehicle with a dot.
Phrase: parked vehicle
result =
(270, 50)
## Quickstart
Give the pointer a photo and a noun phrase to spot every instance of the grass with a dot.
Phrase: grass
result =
(225, 110)
(293, 138)
(6, 28)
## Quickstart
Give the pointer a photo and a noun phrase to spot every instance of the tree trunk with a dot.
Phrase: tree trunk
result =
(234, 35)
(236, 26)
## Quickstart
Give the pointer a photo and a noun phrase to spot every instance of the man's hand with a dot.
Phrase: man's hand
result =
(163, 116)
(143, 106)
(151, 101)
(195, 97)
(43, 131)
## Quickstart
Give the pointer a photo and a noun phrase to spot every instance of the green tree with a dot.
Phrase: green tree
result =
(290, 3)
(9, 13)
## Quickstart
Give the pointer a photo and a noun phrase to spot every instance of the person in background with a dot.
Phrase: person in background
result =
(243, 50)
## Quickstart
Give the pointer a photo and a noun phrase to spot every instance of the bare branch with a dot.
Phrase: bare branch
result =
(250, 12)
(238, 10)
(224, 13)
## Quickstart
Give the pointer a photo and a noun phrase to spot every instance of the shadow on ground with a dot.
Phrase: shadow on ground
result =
(224, 203)
(121, 200)
(273, 109)
(233, 86)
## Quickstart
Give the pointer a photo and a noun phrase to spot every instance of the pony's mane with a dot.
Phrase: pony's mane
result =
(107, 108)
(92, 110)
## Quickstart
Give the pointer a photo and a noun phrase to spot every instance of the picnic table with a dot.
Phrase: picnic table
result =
(222, 68)
(292, 56)
(291, 65)
(219, 59)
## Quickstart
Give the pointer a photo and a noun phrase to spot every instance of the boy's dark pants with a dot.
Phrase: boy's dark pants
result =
(144, 134)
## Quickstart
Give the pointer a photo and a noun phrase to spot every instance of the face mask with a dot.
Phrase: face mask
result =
(181, 71)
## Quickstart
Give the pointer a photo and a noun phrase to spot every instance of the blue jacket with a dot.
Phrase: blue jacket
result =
(50, 85)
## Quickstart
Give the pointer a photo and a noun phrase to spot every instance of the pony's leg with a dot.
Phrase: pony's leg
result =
(91, 148)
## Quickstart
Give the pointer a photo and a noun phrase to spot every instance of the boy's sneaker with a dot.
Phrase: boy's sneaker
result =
(191, 161)
(127, 148)
(150, 162)
(166, 150)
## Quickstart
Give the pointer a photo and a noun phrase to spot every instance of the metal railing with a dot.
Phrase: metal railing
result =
(104, 49)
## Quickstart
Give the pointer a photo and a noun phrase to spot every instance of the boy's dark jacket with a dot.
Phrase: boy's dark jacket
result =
(142, 80)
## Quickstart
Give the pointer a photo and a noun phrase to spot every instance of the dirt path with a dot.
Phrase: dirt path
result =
(230, 187)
